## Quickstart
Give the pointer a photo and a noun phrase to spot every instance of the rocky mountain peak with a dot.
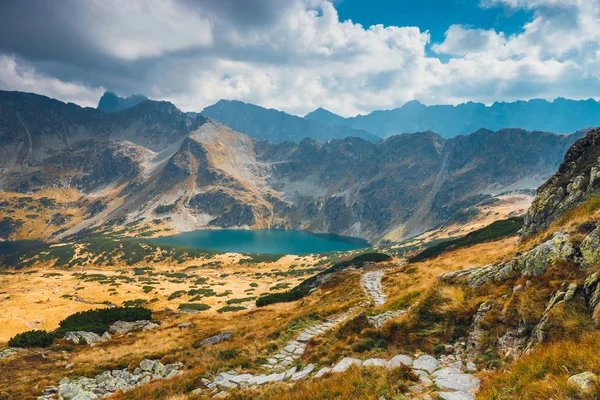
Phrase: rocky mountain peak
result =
(110, 102)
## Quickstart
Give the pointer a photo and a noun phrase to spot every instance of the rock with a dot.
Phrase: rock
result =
(197, 391)
(345, 364)
(322, 372)
(216, 338)
(518, 288)
(474, 339)
(471, 367)
(220, 395)
(11, 351)
(590, 249)
(456, 395)
(184, 325)
(446, 371)
(375, 362)
(121, 327)
(457, 382)
(426, 363)
(532, 263)
(81, 337)
(304, 373)
(570, 293)
(399, 360)
(584, 382)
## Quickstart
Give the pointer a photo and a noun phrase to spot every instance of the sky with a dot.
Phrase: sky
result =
(348, 56)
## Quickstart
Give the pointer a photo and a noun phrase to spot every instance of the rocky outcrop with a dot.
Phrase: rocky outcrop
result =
(530, 264)
(218, 338)
(121, 327)
(590, 249)
(89, 338)
(577, 179)
(110, 382)
(11, 351)
(540, 331)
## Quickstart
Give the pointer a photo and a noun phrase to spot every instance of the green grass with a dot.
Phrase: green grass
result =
(496, 230)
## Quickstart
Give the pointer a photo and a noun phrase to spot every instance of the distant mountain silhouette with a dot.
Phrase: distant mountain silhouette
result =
(560, 116)
(277, 126)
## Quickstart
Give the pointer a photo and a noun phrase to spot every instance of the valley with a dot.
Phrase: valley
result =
(462, 275)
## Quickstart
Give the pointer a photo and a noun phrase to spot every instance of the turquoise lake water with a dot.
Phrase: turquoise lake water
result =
(266, 241)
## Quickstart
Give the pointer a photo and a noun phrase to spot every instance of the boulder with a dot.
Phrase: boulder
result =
(399, 360)
(426, 363)
(456, 395)
(458, 382)
(584, 382)
(304, 373)
(322, 372)
(121, 327)
(345, 364)
(81, 337)
(216, 338)
(9, 352)
(375, 362)
(590, 249)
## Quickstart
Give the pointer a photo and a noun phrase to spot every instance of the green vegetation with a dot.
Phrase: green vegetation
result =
(194, 306)
(177, 294)
(99, 320)
(230, 309)
(306, 286)
(32, 339)
(242, 300)
(496, 230)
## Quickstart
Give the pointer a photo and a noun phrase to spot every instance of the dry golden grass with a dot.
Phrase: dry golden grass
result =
(544, 373)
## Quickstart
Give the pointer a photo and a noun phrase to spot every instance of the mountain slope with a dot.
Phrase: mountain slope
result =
(561, 116)
(276, 126)
(154, 169)
(577, 179)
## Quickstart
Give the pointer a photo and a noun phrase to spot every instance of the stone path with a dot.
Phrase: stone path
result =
(449, 376)
(371, 282)
(280, 364)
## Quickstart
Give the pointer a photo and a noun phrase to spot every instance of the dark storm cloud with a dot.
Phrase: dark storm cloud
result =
(55, 37)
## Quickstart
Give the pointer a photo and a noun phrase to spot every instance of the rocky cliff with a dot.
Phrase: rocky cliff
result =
(577, 179)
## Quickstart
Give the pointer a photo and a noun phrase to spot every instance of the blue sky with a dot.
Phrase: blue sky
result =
(348, 56)
(436, 16)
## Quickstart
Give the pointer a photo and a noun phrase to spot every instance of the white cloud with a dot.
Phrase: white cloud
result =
(301, 56)
(19, 77)
(461, 41)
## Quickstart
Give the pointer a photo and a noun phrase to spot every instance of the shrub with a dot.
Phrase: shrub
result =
(194, 306)
(32, 339)
(99, 320)
(228, 354)
(230, 309)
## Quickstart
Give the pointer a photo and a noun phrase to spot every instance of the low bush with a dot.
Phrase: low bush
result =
(32, 339)
(194, 306)
(99, 320)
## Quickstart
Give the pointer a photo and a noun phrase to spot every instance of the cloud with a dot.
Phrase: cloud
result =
(294, 55)
(16, 77)
(461, 41)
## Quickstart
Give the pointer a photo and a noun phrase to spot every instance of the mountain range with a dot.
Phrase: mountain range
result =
(560, 116)
(154, 164)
